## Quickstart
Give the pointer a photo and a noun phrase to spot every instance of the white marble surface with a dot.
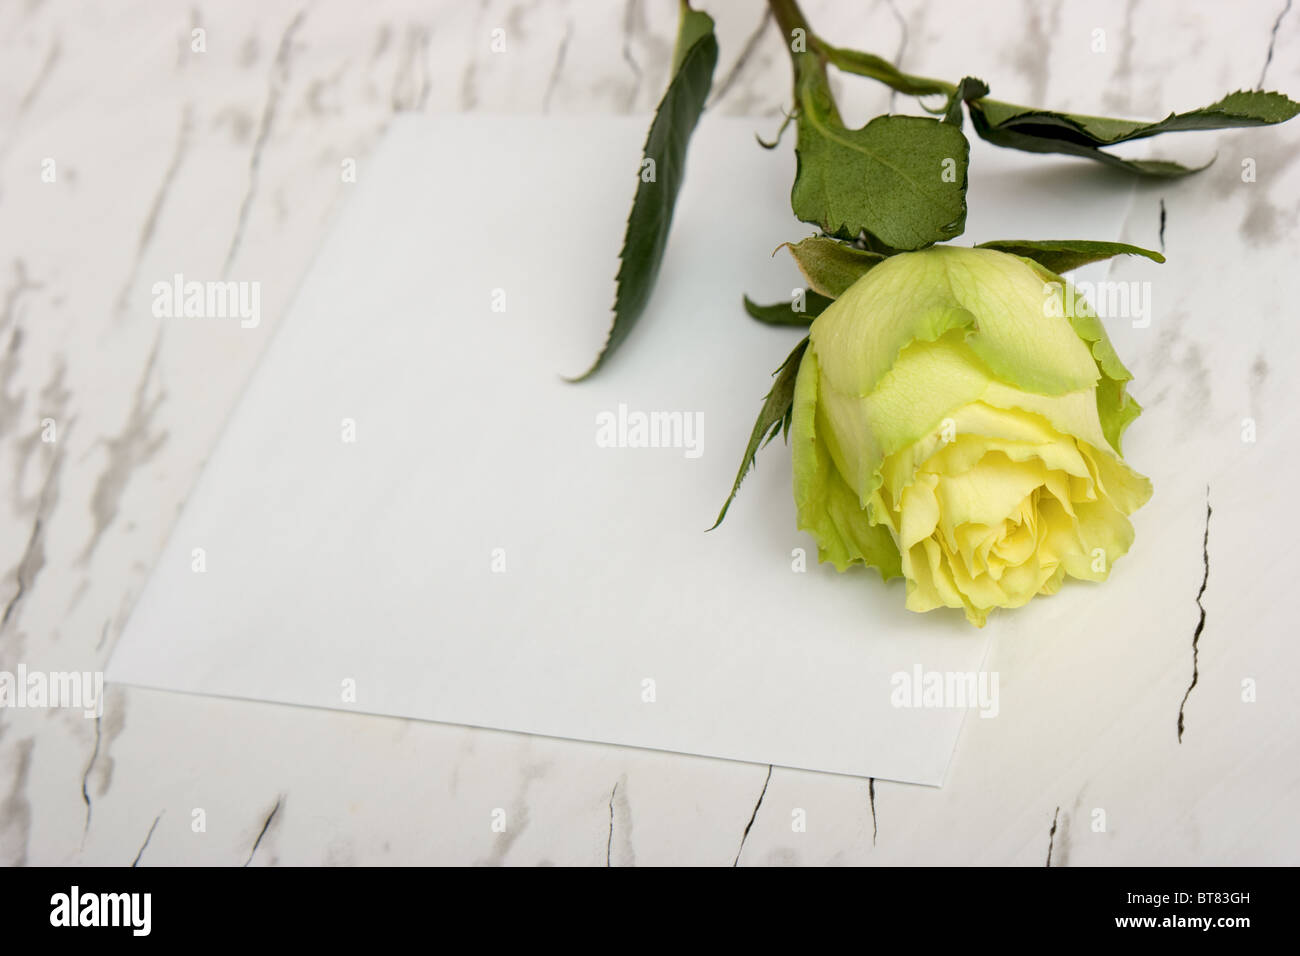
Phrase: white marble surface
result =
(227, 162)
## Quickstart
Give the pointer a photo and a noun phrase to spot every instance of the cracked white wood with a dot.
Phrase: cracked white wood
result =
(169, 160)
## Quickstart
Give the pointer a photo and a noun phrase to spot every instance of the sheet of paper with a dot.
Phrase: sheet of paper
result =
(411, 513)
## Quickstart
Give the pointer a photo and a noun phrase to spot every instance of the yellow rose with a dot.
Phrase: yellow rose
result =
(957, 420)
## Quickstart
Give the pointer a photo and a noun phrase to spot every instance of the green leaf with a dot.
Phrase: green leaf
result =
(831, 266)
(1062, 255)
(1045, 131)
(1243, 108)
(900, 178)
(968, 89)
(774, 417)
(652, 209)
(878, 68)
(784, 313)
(1046, 140)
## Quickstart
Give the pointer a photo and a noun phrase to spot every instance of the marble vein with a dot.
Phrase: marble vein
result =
(871, 796)
(85, 777)
(746, 53)
(144, 846)
(155, 208)
(629, 27)
(753, 816)
(133, 446)
(16, 810)
(29, 565)
(11, 408)
(609, 843)
(558, 68)
(902, 47)
(275, 89)
(1051, 835)
(1272, 40)
(42, 77)
(33, 558)
(266, 825)
(1120, 88)
(411, 83)
(1200, 623)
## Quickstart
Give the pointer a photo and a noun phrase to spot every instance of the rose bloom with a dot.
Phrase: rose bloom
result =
(957, 420)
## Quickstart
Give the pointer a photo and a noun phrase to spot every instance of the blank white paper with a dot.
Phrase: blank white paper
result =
(473, 556)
